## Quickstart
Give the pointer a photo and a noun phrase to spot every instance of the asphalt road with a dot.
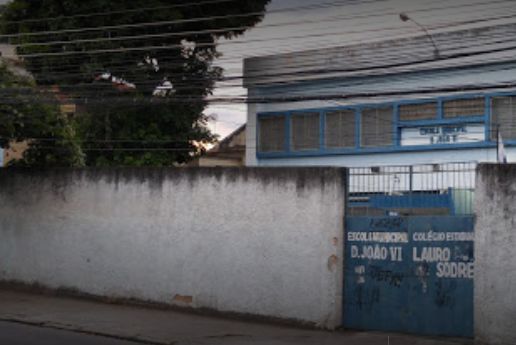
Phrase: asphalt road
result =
(18, 334)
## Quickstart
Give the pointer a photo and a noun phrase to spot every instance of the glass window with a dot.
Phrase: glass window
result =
(272, 134)
(503, 117)
(376, 127)
(340, 129)
(305, 132)
(416, 112)
(464, 107)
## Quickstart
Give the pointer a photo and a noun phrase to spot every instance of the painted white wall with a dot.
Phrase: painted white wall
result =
(392, 158)
(278, 76)
(495, 278)
(377, 84)
(266, 242)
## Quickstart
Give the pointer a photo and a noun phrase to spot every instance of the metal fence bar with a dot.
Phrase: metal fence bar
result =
(429, 189)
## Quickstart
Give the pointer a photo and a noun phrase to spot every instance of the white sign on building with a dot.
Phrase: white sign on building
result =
(443, 135)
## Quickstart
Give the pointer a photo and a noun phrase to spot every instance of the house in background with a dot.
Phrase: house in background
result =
(14, 152)
(230, 152)
(395, 102)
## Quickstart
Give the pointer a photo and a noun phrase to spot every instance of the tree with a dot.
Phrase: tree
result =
(141, 69)
(47, 130)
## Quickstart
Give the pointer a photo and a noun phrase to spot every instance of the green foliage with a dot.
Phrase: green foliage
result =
(119, 123)
(48, 131)
(141, 136)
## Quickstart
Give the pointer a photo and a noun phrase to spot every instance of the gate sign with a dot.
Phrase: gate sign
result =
(410, 275)
(443, 135)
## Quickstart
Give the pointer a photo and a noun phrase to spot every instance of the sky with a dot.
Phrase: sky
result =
(290, 26)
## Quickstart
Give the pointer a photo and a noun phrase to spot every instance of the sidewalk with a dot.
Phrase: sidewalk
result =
(179, 328)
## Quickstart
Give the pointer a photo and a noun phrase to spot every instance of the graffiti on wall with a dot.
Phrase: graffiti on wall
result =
(399, 269)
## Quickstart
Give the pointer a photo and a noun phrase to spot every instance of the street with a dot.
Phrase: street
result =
(18, 334)
(68, 321)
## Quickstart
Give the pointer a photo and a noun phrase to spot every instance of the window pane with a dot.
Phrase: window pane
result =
(272, 134)
(416, 112)
(503, 116)
(376, 127)
(304, 132)
(340, 129)
(464, 107)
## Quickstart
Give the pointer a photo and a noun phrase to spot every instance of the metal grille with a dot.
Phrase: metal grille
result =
(305, 132)
(503, 117)
(416, 112)
(272, 134)
(434, 189)
(376, 127)
(340, 129)
(464, 107)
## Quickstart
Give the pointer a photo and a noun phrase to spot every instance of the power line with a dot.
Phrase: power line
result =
(214, 18)
(367, 69)
(252, 77)
(109, 13)
(183, 21)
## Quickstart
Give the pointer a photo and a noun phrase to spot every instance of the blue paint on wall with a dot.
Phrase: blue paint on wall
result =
(423, 200)
(410, 275)
(398, 126)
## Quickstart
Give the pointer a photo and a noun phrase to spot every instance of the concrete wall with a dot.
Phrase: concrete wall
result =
(495, 250)
(266, 242)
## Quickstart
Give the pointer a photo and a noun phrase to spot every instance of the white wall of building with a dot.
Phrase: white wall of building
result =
(495, 267)
(276, 78)
(391, 158)
(265, 242)
(403, 83)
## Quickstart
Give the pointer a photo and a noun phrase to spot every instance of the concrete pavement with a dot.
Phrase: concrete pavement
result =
(18, 334)
(154, 326)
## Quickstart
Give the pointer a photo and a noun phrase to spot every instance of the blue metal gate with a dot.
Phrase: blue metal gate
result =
(410, 274)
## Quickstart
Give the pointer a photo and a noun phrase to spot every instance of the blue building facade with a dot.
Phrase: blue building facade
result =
(355, 107)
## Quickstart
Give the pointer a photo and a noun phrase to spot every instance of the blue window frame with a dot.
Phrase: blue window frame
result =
(455, 122)
(340, 129)
(422, 111)
(305, 131)
(464, 107)
(503, 118)
(272, 133)
(376, 126)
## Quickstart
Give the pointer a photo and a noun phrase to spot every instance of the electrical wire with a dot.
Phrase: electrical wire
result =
(297, 98)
